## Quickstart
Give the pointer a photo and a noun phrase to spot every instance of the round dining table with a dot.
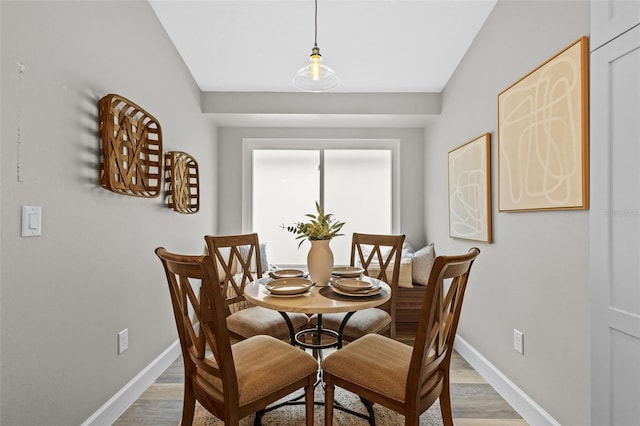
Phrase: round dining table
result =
(317, 300)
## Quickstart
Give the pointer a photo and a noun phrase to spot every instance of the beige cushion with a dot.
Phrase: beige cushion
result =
(232, 293)
(374, 362)
(405, 276)
(264, 263)
(259, 365)
(422, 263)
(372, 320)
(258, 320)
(235, 266)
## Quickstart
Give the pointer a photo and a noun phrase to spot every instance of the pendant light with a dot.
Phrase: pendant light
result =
(316, 77)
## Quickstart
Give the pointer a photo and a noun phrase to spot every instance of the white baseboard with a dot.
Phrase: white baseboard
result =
(531, 412)
(118, 403)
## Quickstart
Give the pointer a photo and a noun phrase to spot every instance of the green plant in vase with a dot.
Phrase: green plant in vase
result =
(322, 226)
(319, 231)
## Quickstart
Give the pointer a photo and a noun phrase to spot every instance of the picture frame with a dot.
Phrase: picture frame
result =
(543, 135)
(469, 169)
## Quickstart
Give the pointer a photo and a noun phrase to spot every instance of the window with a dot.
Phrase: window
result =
(352, 179)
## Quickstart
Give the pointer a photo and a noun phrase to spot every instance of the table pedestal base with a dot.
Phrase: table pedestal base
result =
(317, 333)
(371, 418)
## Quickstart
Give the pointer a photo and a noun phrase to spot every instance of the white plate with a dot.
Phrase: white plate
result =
(305, 294)
(288, 286)
(347, 271)
(352, 284)
(286, 273)
(371, 292)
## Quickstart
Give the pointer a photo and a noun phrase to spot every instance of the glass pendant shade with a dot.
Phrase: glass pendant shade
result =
(316, 77)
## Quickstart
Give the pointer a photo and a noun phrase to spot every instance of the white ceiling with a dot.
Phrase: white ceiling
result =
(373, 45)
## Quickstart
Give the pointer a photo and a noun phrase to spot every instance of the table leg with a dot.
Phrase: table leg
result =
(343, 324)
(318, 332)
(292, 331)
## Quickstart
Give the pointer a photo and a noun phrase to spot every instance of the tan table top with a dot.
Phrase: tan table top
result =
(319, 300)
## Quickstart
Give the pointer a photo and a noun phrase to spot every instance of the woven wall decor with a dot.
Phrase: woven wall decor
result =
(131, 148)
(183, 184)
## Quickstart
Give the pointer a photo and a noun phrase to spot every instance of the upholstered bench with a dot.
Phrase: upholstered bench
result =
(415, 267)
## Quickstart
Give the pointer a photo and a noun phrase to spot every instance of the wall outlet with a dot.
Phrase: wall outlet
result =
(518, 341)
(123, 340)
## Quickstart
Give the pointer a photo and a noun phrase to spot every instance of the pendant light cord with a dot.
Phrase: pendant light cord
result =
(315, 38)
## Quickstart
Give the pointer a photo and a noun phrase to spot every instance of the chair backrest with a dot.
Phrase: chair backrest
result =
(380, 256)
(439, 318)
(237, 260)
(198, 309)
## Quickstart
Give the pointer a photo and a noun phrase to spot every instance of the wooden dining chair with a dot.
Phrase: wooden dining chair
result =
(229, 381)
(237, 260)
(410, 379)
(379, 256)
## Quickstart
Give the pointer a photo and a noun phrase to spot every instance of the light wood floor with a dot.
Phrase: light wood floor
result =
(474, 402)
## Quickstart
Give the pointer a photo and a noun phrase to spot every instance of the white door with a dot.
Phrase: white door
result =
(615, 231)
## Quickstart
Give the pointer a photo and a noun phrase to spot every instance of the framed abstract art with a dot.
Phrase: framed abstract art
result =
(543, 138)
(470, 190)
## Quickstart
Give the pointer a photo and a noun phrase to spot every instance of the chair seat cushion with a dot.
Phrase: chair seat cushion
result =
(374, 362)
(258, 320)
(263, 365)
(372, 320)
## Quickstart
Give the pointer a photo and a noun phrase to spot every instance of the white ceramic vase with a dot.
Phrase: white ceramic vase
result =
(320, 262)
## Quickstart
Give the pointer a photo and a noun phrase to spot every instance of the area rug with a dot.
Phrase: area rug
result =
(293, 415)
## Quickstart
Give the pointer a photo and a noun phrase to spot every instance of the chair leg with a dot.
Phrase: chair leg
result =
(411, 419)
(445, 402)
(188, 407)
(309, 403)
(328, 400)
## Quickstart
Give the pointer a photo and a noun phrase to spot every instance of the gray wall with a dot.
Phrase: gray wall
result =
(411, 171)
(534, 277)
(92, 273)
(65, 295)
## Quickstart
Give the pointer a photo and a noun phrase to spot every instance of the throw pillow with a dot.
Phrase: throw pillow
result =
(405, 275)
(407, 247)
(422, 263)
(263, 257)
(244, 251)
(225, 254)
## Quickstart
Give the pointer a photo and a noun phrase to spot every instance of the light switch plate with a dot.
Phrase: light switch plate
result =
(123, 341)
(518, 341)
(31, 221)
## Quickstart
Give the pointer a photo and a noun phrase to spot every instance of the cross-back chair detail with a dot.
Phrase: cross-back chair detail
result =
(371, 251)
(229, 381)
(380, 253)
(413, 377)
(238, 263)
(376, 256)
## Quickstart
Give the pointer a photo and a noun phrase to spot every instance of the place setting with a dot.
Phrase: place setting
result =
(347, 272)
(287, 273)
(288, 283)
(355, 287)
